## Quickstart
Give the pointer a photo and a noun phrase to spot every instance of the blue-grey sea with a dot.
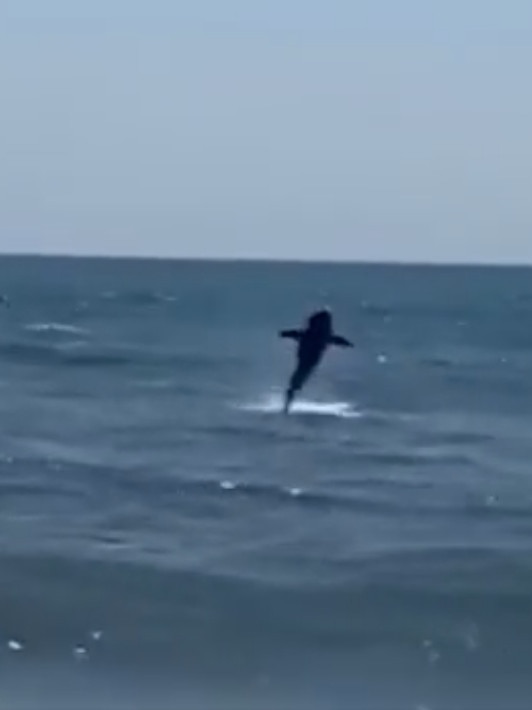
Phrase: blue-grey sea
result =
(169, 539)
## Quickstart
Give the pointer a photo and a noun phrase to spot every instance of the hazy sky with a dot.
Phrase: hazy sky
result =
(356, 129)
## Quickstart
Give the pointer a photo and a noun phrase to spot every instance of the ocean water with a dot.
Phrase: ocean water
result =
(171, 540)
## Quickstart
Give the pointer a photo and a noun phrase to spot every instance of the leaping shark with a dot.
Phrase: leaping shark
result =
(312, 343)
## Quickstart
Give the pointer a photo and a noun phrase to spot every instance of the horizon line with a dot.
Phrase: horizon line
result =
(294, 261)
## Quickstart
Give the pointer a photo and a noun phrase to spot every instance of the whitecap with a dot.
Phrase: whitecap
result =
(55, 328)
(80, 653)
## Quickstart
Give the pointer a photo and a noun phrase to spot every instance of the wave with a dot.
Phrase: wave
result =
(150, 615)
(138, 298)
(68, 354)
(35, 478)
(81, 353)
(56, 328)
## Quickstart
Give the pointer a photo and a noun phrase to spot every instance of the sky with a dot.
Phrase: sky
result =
(341, 130)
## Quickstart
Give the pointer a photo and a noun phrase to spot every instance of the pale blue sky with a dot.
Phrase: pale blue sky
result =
(399, 129)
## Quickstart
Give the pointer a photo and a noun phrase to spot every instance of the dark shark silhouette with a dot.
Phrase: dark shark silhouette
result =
(312, 342)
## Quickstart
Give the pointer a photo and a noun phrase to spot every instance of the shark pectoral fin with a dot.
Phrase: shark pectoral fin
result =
(341, 342)
(294, 334)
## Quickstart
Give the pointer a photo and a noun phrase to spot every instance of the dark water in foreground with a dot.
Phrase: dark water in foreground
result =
(170, 540)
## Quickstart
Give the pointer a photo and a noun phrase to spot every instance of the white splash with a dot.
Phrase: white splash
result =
(273, 404)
